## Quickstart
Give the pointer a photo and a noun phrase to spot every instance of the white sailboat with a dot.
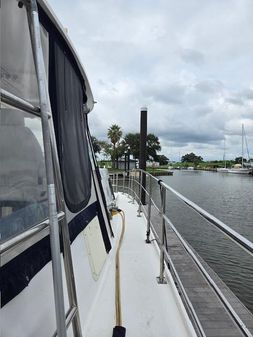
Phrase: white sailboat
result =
(242, 168)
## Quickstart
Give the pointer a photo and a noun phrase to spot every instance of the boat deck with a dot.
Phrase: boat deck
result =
(148, 309)
(213, 316)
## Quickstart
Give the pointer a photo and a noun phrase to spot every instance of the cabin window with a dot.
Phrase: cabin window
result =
(23, 190)
(17, 66)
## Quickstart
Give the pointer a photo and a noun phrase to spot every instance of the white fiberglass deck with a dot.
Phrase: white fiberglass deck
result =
(149, 309)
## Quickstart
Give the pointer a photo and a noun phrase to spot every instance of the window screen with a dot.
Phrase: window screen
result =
(67, 99)
(23, 193)
(17, 65)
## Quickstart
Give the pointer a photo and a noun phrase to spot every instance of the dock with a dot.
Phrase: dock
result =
(212, 313)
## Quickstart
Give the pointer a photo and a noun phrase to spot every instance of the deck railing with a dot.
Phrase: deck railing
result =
(131, 183)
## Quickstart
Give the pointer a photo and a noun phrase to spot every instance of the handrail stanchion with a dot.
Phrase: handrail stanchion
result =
(133, 176)
(124, 181)
(149, 210)
(129, 184)
(117, 182)
(161, 278)
(140, 190)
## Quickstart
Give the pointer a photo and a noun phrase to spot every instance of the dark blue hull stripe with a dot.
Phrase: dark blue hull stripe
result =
(16, 274)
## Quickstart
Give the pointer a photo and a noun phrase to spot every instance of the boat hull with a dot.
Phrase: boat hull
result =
(222, 170)
(239, 171)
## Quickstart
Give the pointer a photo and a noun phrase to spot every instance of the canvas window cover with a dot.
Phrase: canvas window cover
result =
(67, 99)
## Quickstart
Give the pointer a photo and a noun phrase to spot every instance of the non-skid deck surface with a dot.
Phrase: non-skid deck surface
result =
(148, 308)
(211, 312)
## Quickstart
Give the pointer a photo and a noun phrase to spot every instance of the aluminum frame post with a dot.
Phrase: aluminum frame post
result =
(133, 177)
(32, 12)
(161, 279)
(129, 184)
(124, 181)
(140, 192)
(117, 182)
(149, 211)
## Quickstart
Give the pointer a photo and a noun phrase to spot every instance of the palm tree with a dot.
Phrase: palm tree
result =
(114, 134)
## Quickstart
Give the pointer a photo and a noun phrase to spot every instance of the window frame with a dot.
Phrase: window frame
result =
(13, 246)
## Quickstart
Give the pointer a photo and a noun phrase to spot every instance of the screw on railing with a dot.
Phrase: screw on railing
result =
(161, 278)
(140, 192)
(149, 210)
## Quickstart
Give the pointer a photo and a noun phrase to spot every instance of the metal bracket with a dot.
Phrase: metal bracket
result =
(161, 280)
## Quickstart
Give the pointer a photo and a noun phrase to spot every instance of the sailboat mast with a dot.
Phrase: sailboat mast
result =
(242, 144)
(224, 155)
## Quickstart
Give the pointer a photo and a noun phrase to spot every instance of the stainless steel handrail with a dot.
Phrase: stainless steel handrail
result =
(16, 245)
(18, 102)
(164, 256)
(232, 234)
(225, 229)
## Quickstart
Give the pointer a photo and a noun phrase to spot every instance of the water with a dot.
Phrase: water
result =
(229, 198)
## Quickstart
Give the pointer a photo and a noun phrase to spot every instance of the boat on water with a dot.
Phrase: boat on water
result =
(73, 259)
(243, 168)
(239, 169)
(222, 169)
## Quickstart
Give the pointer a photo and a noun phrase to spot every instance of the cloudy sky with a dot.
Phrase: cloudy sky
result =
(189, 61)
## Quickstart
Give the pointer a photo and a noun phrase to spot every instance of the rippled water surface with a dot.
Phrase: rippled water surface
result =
(229, 198)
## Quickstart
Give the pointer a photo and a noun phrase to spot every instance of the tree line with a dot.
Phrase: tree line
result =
(118, 145)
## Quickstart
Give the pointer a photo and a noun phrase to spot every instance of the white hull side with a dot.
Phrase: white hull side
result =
(222, 170)
(239, 171)
(33, 310)
(148, 308)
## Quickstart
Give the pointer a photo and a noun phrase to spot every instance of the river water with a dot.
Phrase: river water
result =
(229, 198)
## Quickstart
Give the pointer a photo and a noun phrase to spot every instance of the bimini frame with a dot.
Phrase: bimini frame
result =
(33, 16)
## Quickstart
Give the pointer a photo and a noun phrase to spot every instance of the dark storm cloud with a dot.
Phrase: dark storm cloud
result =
(185, 136)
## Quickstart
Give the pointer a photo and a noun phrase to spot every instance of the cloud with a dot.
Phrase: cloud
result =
(193, 56)
(209, 86)
(168, 94)
(247, 94)
(190, 62)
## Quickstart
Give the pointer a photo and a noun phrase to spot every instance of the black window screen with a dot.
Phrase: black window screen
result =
(67, 99)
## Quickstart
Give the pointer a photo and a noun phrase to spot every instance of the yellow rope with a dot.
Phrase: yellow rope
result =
(117, 275)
